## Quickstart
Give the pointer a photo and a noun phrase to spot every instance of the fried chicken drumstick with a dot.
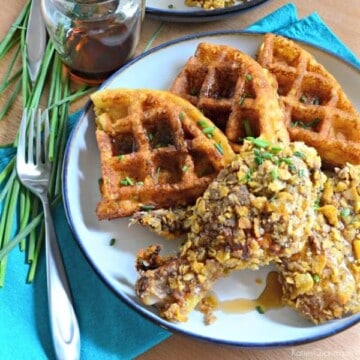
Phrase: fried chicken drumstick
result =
(259, 209)
(322, 282)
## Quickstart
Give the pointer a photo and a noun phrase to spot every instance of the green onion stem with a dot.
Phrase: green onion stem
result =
(40, 81)
(15, 198)
(11, 205)
(29, 227)
(61, 144)
(37, 251)
(11, 100)
(10, 69)
(4, 44)
(55, 89)
(14, 41)
(24, 212)
(153, 37)
(5, 190)
(9, 81)
(25, 72)
(7, 170)
(34, 211)
(73, 97)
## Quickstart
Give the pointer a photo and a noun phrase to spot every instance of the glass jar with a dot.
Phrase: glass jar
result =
(93, 38)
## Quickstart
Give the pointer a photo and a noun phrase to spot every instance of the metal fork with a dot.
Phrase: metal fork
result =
(33, 169)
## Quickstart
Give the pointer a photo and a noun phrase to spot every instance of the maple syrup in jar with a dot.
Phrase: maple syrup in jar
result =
(93, 38)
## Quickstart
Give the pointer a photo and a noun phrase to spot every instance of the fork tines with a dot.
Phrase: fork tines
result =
(34, 136)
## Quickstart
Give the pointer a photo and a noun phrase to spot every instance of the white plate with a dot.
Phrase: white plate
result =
(176, 10)
(115, 264)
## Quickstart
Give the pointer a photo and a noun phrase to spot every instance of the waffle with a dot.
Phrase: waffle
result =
(232, 90)
(317, 110)
(156, 150)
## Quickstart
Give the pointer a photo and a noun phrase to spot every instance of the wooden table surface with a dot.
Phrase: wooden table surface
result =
(343, 18)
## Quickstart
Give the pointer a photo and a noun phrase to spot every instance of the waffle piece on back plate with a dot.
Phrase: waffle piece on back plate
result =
(156, 149)
(234, 91)
(318, 111)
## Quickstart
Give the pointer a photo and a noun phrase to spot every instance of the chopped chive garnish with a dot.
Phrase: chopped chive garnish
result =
(202, 123)
(247, 176)
(316, 204)
(268, 156)
(160, 145)
(140, 183)
(275, 149)
(209, 130)
(301, 172)
(260, 309)
(259, 159)
(219, 148)
(287, 161)
(316, 278)
(345, 212)
(121, 157)
(185, 168)
(247, 128)
(112, 242)
(150, 136)
(299, 154)
(182, 116)
(248, 77)
(242, 99)
(258, 142)
(316, 101)
(127, 181)
(306, 125)
(147, 207)
(303, 99)
(274, 174)
(157, 174)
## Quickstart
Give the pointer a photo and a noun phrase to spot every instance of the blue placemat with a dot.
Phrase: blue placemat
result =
(109, 328)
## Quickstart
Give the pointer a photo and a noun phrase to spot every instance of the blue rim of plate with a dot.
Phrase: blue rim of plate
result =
(199, 15)
(349, 322)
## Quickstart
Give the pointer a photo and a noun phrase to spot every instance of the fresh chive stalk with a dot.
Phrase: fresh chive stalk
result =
(7, 226)
(9, 39)
(28, 231)
(32, 224)
(9, 78)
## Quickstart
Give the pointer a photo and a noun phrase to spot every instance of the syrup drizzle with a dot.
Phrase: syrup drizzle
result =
(270, 298)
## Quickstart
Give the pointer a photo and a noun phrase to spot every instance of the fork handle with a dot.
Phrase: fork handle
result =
(63, 321)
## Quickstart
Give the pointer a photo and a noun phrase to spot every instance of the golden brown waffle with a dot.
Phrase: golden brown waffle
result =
(156, 149)
(234, 91)
(317, 110)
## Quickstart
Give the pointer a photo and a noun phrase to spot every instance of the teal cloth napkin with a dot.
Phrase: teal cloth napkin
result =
(109, 328)
(311, 29)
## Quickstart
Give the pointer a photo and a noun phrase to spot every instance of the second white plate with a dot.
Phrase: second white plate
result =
(176, 10)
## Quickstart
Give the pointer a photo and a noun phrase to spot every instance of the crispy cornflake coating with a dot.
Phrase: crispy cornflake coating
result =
(258, 209)
(210, 4)
(322, 281)
(170, 223)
